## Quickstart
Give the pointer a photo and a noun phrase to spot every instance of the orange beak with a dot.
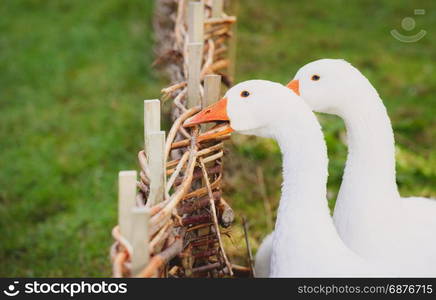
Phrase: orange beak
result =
(295, 86)
(215, 112)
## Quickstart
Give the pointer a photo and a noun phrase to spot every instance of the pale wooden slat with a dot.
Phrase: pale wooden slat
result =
(126, 200)
(212, 89)
(139, 239)
(195, 22)
(194, 65)
(151, 120)
(156, 165)
(217, 8)
(233, 10)
(212, 92)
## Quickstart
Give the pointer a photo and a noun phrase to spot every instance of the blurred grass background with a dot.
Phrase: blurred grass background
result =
(73, 75)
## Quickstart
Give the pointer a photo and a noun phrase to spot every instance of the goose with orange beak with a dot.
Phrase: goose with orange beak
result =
(370, 215)
(249, 107)
(305, 242)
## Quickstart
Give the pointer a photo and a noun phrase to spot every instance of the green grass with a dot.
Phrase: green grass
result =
(73, 75)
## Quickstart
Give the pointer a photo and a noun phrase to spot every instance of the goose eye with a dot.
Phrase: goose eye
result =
(315, 77)
(245, 94)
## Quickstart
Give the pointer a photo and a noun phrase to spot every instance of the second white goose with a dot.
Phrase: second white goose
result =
(305, 242)
(371, 217)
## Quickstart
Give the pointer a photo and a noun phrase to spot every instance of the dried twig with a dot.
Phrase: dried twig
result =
(247, 242)
(214, 217)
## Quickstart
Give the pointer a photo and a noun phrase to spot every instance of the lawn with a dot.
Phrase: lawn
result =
(73, 75)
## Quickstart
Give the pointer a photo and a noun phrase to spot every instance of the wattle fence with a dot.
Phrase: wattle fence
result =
(171, 216)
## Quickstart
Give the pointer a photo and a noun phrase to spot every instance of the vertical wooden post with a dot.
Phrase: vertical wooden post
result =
(154, 145)
(126, 201)
(195, 55)
(151, 120)
(217, 8)
(195, 51)
(195, 22)
(212, 85)
(212, 89)
(140, 239)
(234, 9)
(156, 165)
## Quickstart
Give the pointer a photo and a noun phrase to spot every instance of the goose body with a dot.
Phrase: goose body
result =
(263, 257)
(305, 242)
(370, 216)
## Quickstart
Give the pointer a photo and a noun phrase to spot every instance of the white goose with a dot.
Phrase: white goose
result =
(305, 241)
(370, 216)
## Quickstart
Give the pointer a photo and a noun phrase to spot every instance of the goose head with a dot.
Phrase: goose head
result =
(332, 86)
(254, 107)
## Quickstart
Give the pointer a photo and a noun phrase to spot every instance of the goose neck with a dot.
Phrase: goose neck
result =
(305, 162)
(303, 220)
(370, 166)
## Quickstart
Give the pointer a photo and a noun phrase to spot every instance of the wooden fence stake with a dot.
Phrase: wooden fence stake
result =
(151, 120)
(217, 8)
(212, 89)
(140, 239)
(156, 164)
(195, 51)
(126, 201)
(195, 54)
(195, 22)
(234, 10)
(154, 145)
